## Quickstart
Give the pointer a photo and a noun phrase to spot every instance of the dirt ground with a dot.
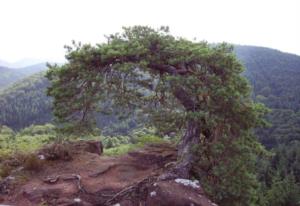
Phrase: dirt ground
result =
(93, 179)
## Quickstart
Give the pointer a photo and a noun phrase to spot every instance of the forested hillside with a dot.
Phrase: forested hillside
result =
(25, 103)
(8, 76)
(275, 78)
(274, 75)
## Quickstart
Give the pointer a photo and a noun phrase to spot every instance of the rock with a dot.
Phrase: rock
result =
(132, 179)
(66, 151)
(184, 193)
(189, 183)
(91, 146)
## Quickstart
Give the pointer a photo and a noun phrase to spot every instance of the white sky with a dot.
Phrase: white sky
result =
(40, 28)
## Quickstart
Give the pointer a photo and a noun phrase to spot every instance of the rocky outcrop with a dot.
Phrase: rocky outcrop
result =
(92, 179)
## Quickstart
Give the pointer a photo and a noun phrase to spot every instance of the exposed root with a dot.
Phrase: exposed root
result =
(176, 170)
(137, 189)
(52, 180)
(79, 184)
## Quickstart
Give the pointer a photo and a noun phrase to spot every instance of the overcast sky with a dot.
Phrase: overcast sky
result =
(40, 28)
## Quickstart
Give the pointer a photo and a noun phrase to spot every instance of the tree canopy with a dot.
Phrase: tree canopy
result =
(183, 86)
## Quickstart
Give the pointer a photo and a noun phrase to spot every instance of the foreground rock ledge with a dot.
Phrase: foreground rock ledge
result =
(90, 179)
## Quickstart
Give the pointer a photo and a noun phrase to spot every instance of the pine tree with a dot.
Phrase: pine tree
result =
(183, 86)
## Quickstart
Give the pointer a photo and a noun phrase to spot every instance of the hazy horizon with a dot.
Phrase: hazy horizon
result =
(39, 29)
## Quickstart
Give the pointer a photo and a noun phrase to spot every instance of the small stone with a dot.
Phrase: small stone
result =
(41, 157)
(11, 178)
(152, 194)
(194, 184)
(77, 200)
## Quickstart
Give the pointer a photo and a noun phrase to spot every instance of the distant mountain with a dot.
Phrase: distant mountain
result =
(274, 75)
(32, 69)
(21, 63)
(8, 76)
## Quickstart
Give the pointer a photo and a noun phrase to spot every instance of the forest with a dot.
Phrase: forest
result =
(266, 167)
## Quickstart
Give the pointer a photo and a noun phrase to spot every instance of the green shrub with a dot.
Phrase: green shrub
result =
(5, 153)
(149, 139)
(120, 150)
(47, 129)
(30, 143)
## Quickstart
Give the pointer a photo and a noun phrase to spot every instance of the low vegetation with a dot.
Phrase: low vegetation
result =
(20, 146)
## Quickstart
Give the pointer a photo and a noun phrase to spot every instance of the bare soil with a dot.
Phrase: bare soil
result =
(93, 179)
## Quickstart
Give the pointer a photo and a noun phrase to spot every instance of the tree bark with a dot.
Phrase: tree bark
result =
(191, 138)
(186, 154)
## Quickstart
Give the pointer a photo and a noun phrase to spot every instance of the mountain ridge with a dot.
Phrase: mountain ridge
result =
(25, 62)
(8, 76)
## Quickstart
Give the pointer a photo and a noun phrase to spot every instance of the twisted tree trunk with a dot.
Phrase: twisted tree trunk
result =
(191, 138)
(186, 153)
